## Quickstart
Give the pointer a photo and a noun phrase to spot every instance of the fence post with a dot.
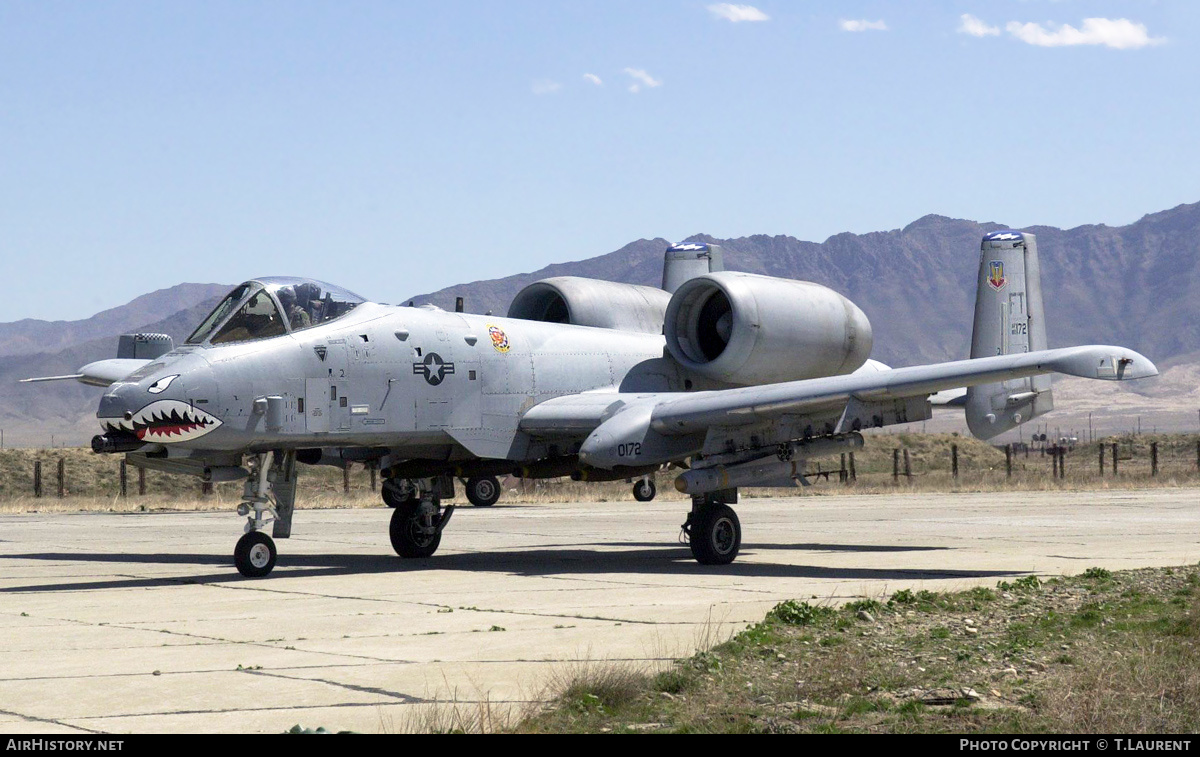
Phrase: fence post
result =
(895, 466)
(1101, 461)
(141, 482)
(843, 476)
(1153, 458)
(37, 478)
(907, 466)
(954, 459)
(346, 479)
(1114, 458)
(373, 470)
(62, 478)
(206, 488)
(1008, 452)
(124, 479)
(853, 472)
(1062, 463)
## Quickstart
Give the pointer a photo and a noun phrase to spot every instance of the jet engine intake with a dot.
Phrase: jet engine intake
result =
(746, 329)
(592, 302)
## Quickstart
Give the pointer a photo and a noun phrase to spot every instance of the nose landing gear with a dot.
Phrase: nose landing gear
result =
(255, 553)
(483, 491)
(645, 490)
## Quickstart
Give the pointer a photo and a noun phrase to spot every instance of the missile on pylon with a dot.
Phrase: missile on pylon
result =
(768, 471)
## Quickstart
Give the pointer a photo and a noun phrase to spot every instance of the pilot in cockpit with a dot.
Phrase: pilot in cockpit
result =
(308, 297)
(297, 316)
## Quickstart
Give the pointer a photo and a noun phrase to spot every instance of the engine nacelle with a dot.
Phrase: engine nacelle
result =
(742, 328)
(592, 302)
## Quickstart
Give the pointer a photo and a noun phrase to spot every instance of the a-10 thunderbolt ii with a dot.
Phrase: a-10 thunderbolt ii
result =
(736, 379)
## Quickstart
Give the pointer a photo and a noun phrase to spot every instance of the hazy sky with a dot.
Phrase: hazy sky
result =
(399, 147)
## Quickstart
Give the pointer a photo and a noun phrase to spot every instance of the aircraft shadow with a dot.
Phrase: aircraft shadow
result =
(575, 560)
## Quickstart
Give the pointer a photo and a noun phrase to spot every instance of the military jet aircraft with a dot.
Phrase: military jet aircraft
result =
(736, 379)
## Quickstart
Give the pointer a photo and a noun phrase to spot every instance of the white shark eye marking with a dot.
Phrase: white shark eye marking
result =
(166, 422)
(160, 386)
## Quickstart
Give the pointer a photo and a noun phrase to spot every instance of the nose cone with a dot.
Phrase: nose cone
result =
(166, 406)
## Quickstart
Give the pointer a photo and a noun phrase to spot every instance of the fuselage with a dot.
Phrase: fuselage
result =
(383, 376)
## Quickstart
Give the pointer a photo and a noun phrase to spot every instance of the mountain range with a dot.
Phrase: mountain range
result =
(1136, 285)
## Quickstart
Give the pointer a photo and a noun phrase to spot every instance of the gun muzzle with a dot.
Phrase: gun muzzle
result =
(112, 444)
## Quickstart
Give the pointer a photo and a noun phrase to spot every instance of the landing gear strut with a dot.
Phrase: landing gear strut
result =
(712, 528)
(417, 524)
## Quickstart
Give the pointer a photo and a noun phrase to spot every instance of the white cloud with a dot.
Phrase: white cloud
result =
(737, 13)
(1118, 33)
(594, 79)
(977, 28)
(546, 87)
(642, 79)
(863, 25)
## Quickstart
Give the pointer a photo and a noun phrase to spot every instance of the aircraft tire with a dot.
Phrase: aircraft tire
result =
(255, 555)
(406, 537)
(394, 494)
(716, 535)
(644, 491)
(483, 491)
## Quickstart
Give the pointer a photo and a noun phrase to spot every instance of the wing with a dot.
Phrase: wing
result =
(638, 429)
(100, 373)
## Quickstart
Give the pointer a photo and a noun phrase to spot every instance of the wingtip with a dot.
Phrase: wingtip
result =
(1104, 362)
(1133, 366)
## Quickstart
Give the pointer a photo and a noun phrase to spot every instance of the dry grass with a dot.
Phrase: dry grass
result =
(1097, 653)
(92, 481)
(1151, 686)
(455, 716)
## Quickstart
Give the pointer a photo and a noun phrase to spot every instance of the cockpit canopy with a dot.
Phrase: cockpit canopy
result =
(269, 307)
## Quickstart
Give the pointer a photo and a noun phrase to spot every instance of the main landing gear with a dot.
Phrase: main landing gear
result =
(418, 521)
(712, 528)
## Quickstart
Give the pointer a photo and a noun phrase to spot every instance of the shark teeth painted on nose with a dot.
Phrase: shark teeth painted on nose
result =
(165, 422)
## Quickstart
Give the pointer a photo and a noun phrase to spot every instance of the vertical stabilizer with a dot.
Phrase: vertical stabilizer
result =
(687, 261)
(1009, 319)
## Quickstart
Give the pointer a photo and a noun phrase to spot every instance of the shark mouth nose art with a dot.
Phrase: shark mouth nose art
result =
(165, 422)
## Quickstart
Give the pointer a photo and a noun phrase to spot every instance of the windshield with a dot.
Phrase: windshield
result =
(219, 314)
(252, 310)
(259, 318)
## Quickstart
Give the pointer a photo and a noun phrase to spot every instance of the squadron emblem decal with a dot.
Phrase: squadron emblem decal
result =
(499, 339)
(996, 279)
(434, 369)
